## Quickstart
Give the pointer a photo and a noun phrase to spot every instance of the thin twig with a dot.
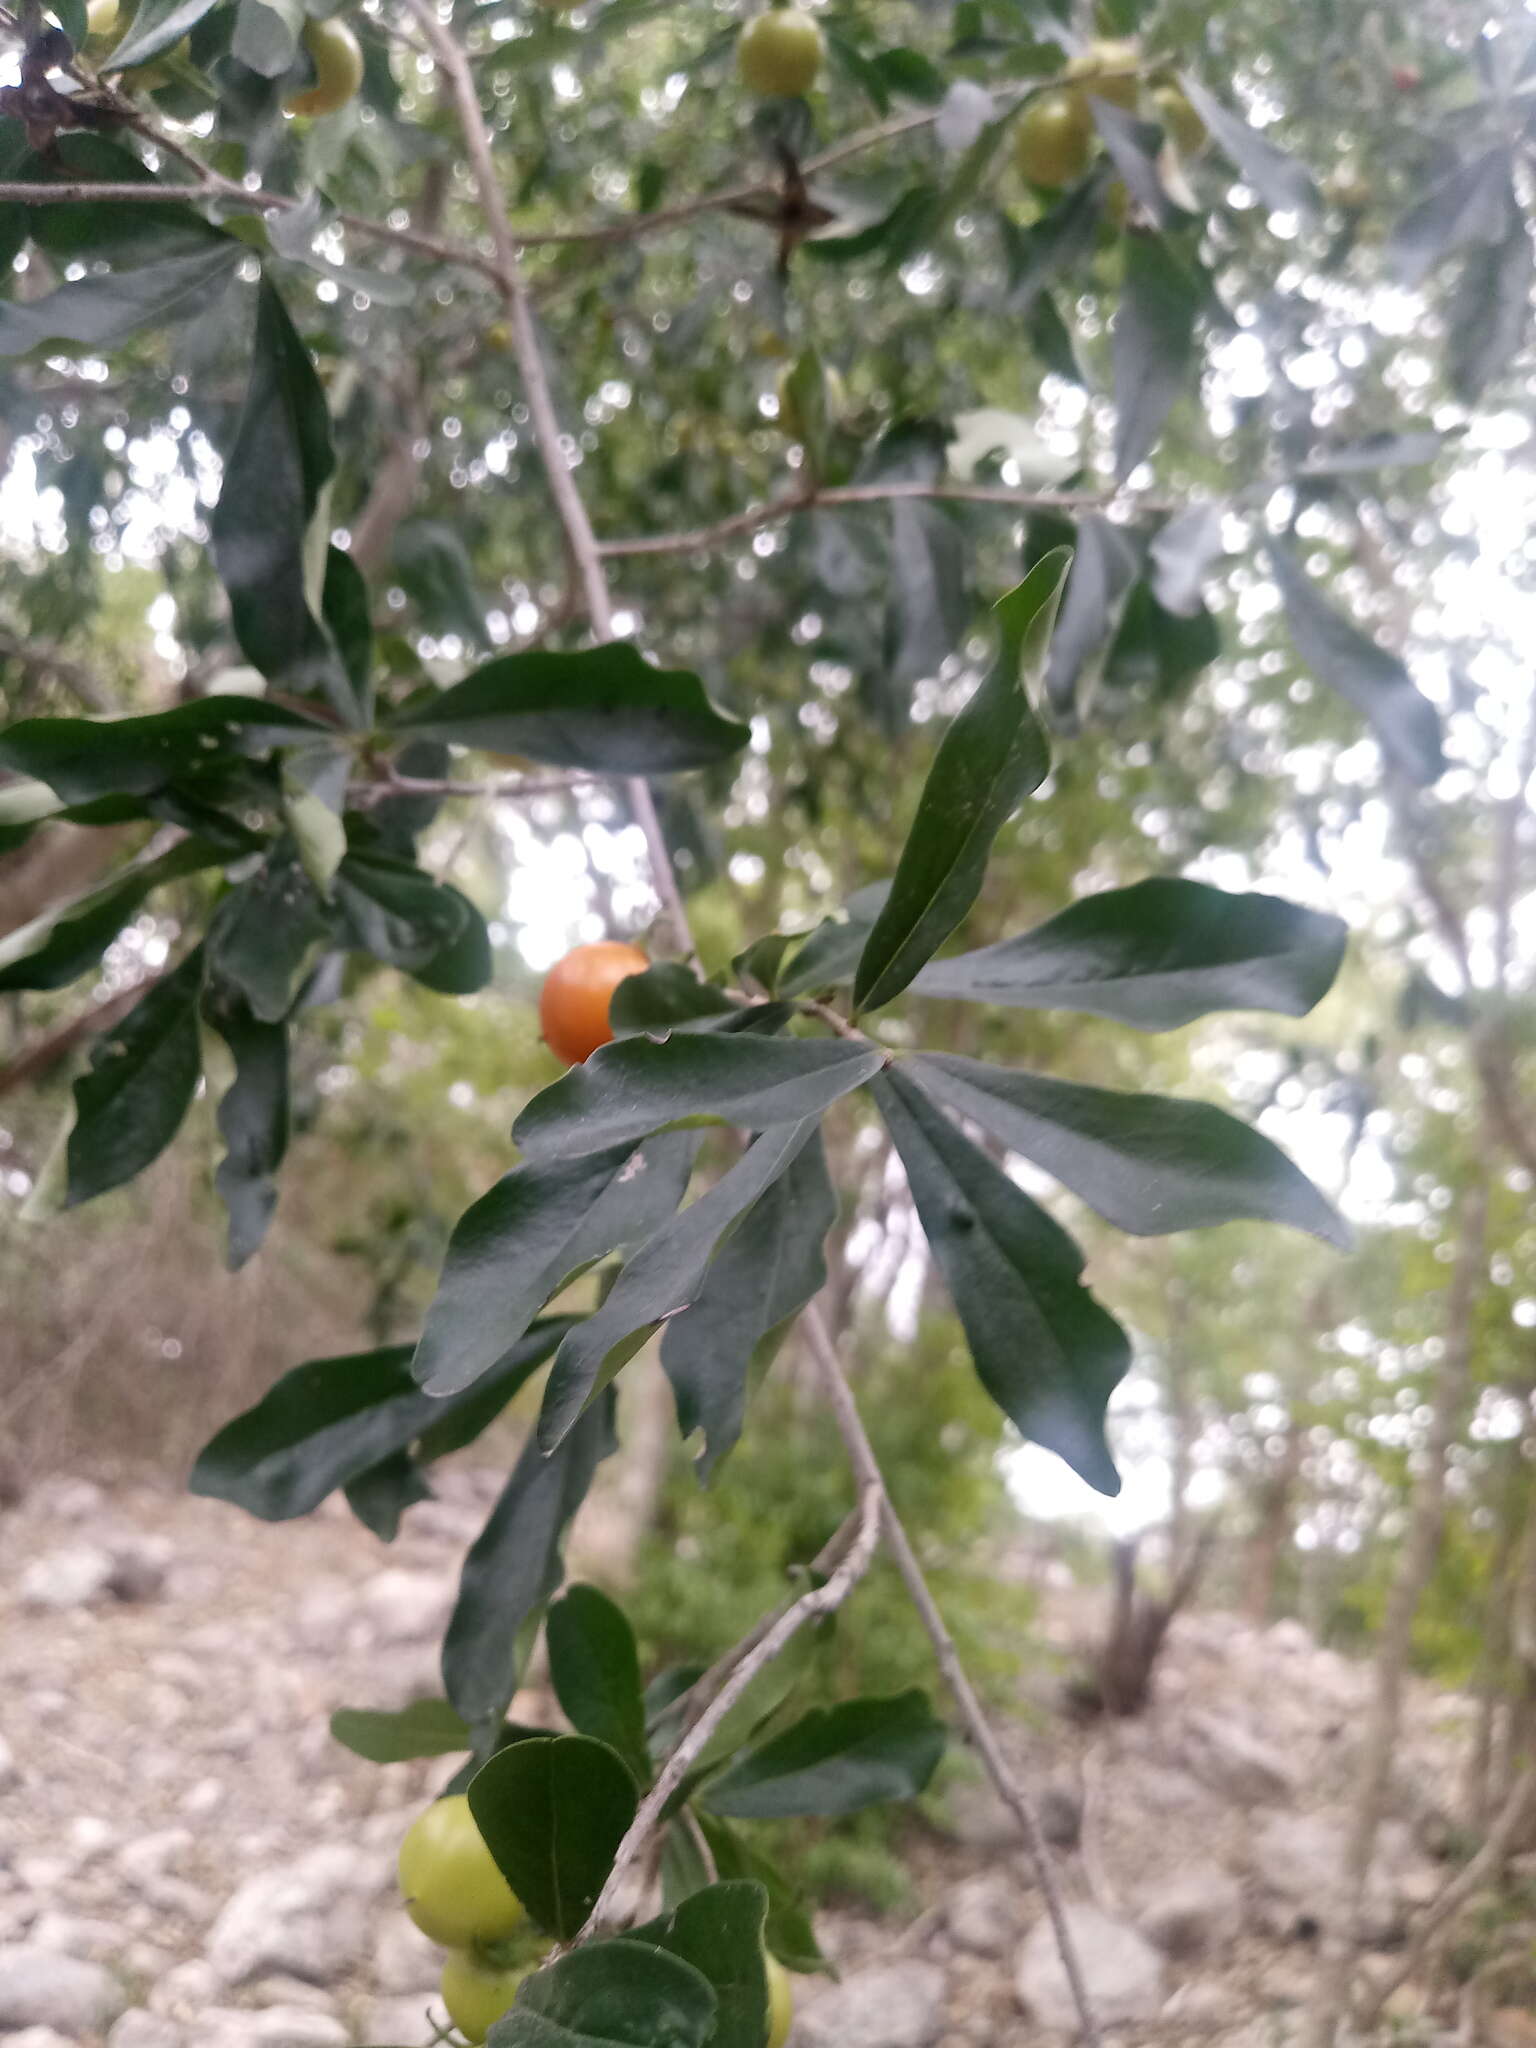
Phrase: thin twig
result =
(820, 1601)
(497, 786)
(866, 1467)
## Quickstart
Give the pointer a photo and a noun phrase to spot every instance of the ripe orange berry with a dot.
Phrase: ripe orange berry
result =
(573, 1005)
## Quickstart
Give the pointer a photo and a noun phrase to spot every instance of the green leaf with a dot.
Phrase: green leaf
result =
(835, 1760)
(380, 1496)
(1489, 311)
(266, 38)
(425, 1728)
(1105, 565)
(604, 708)
(253, 1122)
(325, 1422)
(433, 568)
(594, 1668)
(789, 1933)
(720, 1931)
(348, 619)
(274, 473)
(1155, 955)
(989, 760)
(514, 1565)
(1156, 649)
(265, 934)
(1148, 1164)
(1153, 343)
(157, 26)
(81, 759)
(54, 950)
(761, 1276)
(100, 311)
(144, 1073)
(662, 1277)
(1375, 681)
(636, 1085)
(553, 1812)
(668, 996)
(465, 965)
(1045, 1351)
(610, 1994)
(1283, 184)
(1132, 146)
(829, 956)
(518, 1245)
(1057, 242)
(928, 605)
(1471, 207)
(397, 912)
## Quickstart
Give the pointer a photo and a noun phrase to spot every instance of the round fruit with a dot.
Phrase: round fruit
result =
(101, 17)
(1053, 142)
(477, 1994)
(779, 53)
(338, 62)
(1108, 71)
(1178, 120)
(781, 2003)
(449, 1879)
(573, 1004)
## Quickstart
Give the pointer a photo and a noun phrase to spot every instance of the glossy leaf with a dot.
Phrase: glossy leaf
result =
(611, 1994)
(380, 1496)
(144, 1072)
(1148, 1163)
(100, 311)
(662, 1277)
(433, 568)
(788, 1934)
(835, 1760)
(253, 1122)
(425, 1728)
(157, 26)
(82, 759)
(604, 708)
(989, 760)
(266, 933)
(465, 964)
(1283, 184)
(1155, 955)
(274, 471)
(636, 1085)
(667, 997)
(1105, 564)
(395, 911)
(516, 1246)
(1371, 678)
(761, 1276)
(594, 1668)
(1153, 343)
(553, 1812)
(514, 1565)
(54, 950)
(325, 1422)
(1044, 1349)
(719, 1930)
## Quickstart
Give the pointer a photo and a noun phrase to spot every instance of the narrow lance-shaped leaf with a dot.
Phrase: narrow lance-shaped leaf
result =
(1133, 147)
(1153, 343)
(829, 956)
(1155, 955)
(1490, 311)
(594, 1667)
(552, 1813)
(1105, 564)
(611, 1994)
(99, 312)
(1366, 675)
(989, 760)
(928, 606)
(636, 1085)
(1044, 1349)
(82, 759)
(253, 1122)
(157, 26)
(56, 948)
(1148, 1163)
(1468, 208)
(835, 1760)
(662, 1277)
(144, 1072)
(1283, 184)
(668, 996)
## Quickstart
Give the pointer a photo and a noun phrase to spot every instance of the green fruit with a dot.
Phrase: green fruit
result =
(338, 60)
(779, 53)
(478, 1993)
(1349, 188)
(1054, 139)
(834, 400)
(449, 1879)
(101, 17)
(1108, 71)
(781, 2003)
(1178, 120)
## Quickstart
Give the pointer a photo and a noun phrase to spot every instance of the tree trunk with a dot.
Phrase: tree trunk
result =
(1272, 1538)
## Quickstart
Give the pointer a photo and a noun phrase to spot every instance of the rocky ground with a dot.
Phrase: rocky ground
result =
(187, 1858)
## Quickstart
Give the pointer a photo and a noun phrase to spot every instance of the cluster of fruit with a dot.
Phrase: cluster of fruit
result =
(1056, 137)
(334, 53)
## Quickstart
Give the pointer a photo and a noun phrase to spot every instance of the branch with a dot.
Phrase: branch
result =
(861, 1455)
(394, 784)
(44, 1054)
(770, 1644)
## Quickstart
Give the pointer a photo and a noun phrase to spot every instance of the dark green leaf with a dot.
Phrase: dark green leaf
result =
(594, 1668)
(552, 1813)
(911, 74)
(610, 1994)
(1156, 649)
(1037, 255)
(835, 1760)
(514, 1565)
(720, 1931)
(274, 472)
(1471, 207)
(53, 951)
(253, 1122)
(344, 607)
(1366, 675)
(1105, 564)
(789, 1933)
(636, 1085)
(928, 606)
(1283, 185)
(989, 760)
(684, 1868)
(81, 759)
(380, 1496)
(666, 997)
(1148, 1163)
(144, 1072)
(98, 312)
(522, 1241)
(759, 1279)
(425, 1728)
(266, 933)
(433, 568)
(465, 964)
(397, 912)
(662, 1277)
(603, 708)
(1153, 343)
(1181, 555)
(760, 962)
(157, 26)
(1132, 146)
(325, 1422)
(829, 956)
